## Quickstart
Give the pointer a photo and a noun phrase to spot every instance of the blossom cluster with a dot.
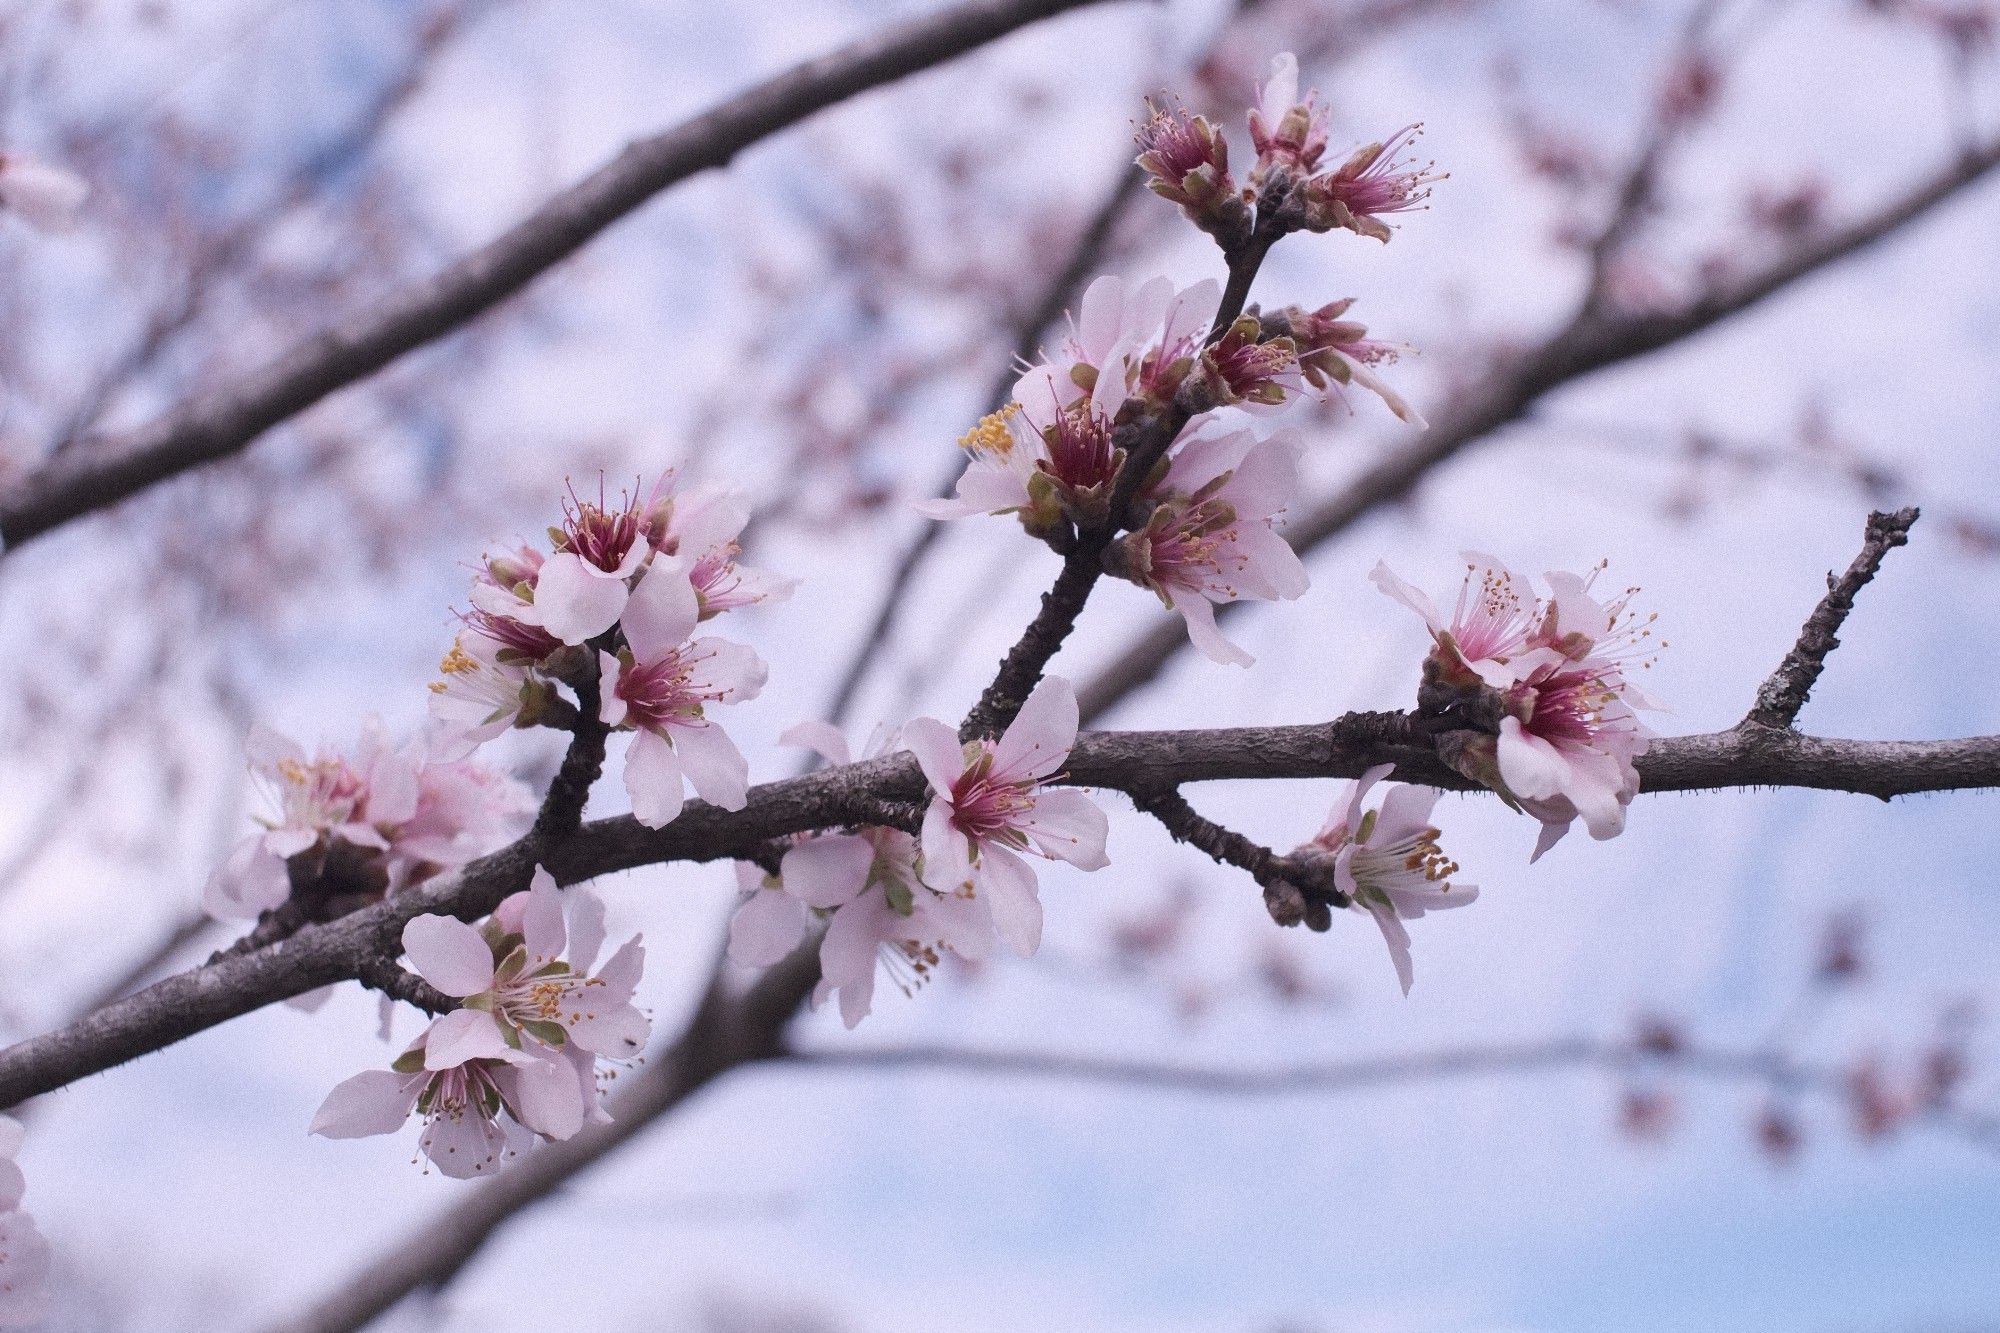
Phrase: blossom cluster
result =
(609, 611)
(24, 1255)
(519, 1058)
(363, 825)
(1200, 527)
(958, 886)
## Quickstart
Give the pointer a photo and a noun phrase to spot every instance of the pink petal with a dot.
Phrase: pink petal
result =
(653, 780)
(1041, 734)
(768, 925)
(828, 871)
(662, 610)
(377, 1102)
(713, 764)
(449, 954)
(1008, 884)
(574, 600)
(462, 1035)
(937, 750)
(1069, 825)
(822, 738)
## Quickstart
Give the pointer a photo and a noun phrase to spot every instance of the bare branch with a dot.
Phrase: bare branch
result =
(228, 419)
(1781, 697)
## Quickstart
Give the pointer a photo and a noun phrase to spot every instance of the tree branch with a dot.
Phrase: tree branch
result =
(1781, 697)
(228, 419)
(322, 954)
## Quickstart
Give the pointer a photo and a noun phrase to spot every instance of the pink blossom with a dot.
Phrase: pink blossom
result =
(704, 525)
(1212, 534)
(1387, 861)
(1372, 184)
(46, 198)
(502, 592)
(321, 799)
(1187, 160)
(662, 686)
(24, 1254)
(479, 1109)
(1559, 670)
(512, 976)
(869, 887)
(1289, 134)
(403, 817)
(1244, 369)
(580, 591)
(989, 805)
(1052, 445)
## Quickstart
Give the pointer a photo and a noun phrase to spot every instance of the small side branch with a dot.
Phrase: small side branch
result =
(399, 983)
(1781, 697)
(1295, 890)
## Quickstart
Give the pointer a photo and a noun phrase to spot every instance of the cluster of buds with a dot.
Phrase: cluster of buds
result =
(349, 829)
(961, 885)
(1187, 161)
(518, 1059)
(609, 613)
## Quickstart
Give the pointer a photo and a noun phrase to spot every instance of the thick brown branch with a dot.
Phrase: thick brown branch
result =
(226, 420)
(1781, 697)
(320, 955)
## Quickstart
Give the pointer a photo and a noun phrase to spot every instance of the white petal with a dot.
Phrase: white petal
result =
(1068, 824)
(713, 764)
(1008, 884)
(822, 738)
(653, 780)
(938, 752)
(1042, 733)
(766, 928)
(662, 610)
(461, 1035)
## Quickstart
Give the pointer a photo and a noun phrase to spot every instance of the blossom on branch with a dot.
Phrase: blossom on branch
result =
(1050, 454)
(868, 887)
(1334, 351)
(1387, 860)
(1212, 536)
(374, 823)
(662, 684)
(1289, 132)
(1187, 160)
(519, 1056)
(989, 805)
(1372, 184)
(1545, 683)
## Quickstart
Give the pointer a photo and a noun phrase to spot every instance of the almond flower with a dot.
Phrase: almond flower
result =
(868, 886)
(46, 198)
(1557, 669)
(579, 592)
(989, 805)
(662, 685)
(484, 687)
(1187, 160)
(1212, 534)
(388, 815)
(481, 1101)
(511, 975)
(705, 526)
(24, 1254)
(1387, 861)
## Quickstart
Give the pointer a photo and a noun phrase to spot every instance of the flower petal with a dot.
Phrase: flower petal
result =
(377, 1102)
(449, 954)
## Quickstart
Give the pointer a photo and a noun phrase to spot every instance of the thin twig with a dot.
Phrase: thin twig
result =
(1781, 697)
